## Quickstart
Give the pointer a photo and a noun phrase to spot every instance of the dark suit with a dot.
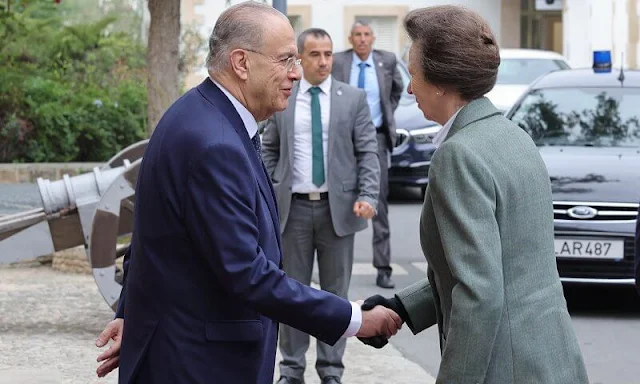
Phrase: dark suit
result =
(638, 251)
(203, 288)
(390, 88)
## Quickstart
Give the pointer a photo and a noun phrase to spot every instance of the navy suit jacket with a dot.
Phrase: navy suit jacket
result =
(203, 290)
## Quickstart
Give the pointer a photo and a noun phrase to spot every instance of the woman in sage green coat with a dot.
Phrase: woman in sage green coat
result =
(486, 228)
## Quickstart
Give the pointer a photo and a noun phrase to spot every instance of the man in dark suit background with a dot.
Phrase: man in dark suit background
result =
(638, 251)
(203, 290)
(322, 155)
(375, 71)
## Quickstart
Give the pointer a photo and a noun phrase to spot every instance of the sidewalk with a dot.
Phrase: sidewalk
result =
(49, 321)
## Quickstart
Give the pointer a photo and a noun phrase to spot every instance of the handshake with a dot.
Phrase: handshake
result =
(378, 324)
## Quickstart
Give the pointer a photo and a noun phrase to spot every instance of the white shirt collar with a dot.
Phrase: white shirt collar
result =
(442, 134)
(249, 121)
(357, 60)
(325, 86)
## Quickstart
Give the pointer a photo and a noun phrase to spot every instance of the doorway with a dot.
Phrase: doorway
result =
(540, 29)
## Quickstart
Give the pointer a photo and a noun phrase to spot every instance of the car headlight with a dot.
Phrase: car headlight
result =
(424, 135)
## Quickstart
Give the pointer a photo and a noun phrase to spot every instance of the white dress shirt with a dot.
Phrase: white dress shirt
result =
(251, 126)
(371, 85)
(249, 121)
(442, 134)
(302, 149)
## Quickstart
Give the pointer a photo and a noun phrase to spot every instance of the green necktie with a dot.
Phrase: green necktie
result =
(316, 138)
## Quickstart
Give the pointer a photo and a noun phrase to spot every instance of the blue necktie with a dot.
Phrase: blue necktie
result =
(362, 66)
(256, 144)
(317, 156)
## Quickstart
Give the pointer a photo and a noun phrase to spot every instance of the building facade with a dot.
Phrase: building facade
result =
(574, 28)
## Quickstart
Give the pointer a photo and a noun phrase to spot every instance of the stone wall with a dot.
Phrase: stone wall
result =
(72, 260)
(29, 173)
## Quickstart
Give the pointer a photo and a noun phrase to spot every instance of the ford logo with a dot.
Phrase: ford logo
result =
(582, 212)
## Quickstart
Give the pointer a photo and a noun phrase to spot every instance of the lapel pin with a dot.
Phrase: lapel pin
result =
(339, 92)
(380, 64)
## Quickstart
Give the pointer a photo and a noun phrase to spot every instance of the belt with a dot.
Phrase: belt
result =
(313, 196)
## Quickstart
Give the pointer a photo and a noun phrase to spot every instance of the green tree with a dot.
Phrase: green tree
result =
(68, 92)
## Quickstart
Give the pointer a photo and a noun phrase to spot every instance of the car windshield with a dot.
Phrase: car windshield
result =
(599, 117)
(524, 71)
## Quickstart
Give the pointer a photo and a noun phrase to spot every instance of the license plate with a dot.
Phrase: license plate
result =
(589, 248)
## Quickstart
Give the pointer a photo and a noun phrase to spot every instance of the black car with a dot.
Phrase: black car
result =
(411, 156)
(587, 126)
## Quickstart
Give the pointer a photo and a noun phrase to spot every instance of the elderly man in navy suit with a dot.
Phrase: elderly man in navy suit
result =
(204, 291)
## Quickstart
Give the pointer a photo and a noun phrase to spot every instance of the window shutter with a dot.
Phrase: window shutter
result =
(386, 31)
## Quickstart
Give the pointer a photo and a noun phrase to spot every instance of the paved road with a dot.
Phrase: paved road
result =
(49, 321)
(17, 197)
(606, 320)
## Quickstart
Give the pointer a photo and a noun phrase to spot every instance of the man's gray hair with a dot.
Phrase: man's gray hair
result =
(361, 23)
(239, 26)
(318, 33)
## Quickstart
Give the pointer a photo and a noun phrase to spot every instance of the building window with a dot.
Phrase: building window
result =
(540, 29)
(385, 28)
(296, 24)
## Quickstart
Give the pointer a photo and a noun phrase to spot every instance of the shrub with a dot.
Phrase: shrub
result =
(67, 92)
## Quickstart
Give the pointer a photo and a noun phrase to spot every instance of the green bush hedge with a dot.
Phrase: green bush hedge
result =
(67, 92)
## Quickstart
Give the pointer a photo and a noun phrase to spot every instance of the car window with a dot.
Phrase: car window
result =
(602, 117)
(524, 71)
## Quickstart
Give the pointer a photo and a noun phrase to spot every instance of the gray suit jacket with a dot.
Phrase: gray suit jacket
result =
(353, 169)
(487, 233)
(389, 81)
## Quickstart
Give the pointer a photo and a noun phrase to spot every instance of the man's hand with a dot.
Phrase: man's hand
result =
(113, 331)
(379, 321)
(392, 303)
(363, 209)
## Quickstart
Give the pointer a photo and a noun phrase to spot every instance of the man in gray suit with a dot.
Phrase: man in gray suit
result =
(321, 154)
(375, 71)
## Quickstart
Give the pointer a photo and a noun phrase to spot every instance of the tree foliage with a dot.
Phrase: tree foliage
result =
(68, 91)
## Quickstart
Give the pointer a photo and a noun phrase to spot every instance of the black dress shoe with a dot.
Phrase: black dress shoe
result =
(289, 380)
(331, 380)
(384, 280)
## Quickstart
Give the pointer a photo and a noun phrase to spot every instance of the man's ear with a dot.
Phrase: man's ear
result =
(240, 63)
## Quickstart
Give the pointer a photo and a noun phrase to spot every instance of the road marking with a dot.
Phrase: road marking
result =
(366, 269)
(421, 265)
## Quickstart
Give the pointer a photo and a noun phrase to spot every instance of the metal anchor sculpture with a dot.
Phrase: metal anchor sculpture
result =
(94, 209)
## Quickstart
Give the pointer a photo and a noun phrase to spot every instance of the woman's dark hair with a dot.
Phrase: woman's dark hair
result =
(457, 49)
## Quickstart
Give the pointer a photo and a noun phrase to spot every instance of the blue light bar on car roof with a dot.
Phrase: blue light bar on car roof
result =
(602, 61)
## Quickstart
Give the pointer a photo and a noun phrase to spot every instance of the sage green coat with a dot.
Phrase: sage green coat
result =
(486, 231)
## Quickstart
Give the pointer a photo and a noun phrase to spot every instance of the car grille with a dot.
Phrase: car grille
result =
(402, 172)
(581, 211)
(600, 269)
(402, 137)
